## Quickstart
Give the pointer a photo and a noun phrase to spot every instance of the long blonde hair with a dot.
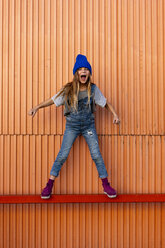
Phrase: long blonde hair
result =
(71, 91)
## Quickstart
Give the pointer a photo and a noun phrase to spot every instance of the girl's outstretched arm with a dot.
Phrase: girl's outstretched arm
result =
(46, 103)
(116, 119)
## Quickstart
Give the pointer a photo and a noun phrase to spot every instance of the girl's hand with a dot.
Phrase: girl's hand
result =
(116, 120)
(33, 111)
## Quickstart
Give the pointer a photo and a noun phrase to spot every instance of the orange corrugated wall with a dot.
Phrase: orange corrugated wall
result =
(124, 41)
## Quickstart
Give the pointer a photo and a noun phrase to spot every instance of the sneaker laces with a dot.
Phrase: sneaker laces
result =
(106, 183)
(49, 185)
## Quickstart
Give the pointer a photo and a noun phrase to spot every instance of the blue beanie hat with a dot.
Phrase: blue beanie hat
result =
(81, 61)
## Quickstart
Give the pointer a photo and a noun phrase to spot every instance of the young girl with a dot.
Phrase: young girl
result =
(79, 98)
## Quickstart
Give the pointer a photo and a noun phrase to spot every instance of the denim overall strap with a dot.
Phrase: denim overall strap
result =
(68, 109)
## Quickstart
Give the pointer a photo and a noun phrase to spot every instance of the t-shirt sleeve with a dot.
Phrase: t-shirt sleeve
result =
(58, 100)
(99, 98)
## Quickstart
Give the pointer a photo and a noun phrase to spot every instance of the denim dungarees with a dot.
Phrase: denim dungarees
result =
(80, 122)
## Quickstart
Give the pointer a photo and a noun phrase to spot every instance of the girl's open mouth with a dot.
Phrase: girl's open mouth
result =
(83, 77)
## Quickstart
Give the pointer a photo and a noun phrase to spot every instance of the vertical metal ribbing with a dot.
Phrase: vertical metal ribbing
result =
(124, 42)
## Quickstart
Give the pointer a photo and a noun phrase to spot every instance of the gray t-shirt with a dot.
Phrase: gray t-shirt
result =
(98, 98)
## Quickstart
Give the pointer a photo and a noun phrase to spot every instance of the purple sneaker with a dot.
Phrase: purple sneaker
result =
(108, 189)
(47, 190)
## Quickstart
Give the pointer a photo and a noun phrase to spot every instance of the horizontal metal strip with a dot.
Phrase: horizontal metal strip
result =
(82, 198)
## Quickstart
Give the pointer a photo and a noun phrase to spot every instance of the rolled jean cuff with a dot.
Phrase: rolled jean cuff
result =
(52, 174)
(104, 176)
